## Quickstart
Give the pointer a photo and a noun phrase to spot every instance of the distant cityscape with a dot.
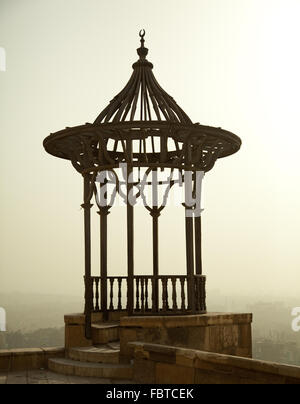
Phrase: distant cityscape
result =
(277, 350)
(38, 321)
(273, 337)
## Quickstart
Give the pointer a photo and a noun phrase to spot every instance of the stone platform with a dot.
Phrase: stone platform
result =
(224, 333)
(212, 348)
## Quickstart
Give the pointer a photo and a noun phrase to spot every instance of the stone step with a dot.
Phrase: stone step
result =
(86, 369)
(108, 353)
(103, 333)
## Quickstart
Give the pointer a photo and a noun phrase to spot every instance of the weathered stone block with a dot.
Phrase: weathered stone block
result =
(174, 374)
(52, 353)
(230, 337)
(178, 336)
(211, 377)
(118, 373)
(25, 359)
(152, 335)
(3, 378)
(144, 371)
(127, 335)
(244, 352)
(161, 353)
(117, 315)
(75, 336)
(141, 354)
(104, 333)
(197, 337)
(5, 360)
(247, 376)
(185, 357)
(245, 337)
(79, 318)
(62, 367)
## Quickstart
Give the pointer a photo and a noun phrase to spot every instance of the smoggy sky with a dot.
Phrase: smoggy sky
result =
(228, 63)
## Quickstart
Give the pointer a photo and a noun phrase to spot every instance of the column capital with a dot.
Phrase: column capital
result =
(87, 205)
(155, 213)
(103, 211)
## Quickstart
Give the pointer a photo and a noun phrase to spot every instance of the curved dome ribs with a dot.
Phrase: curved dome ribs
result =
(144, 93)
(172, 107)
(146, 118)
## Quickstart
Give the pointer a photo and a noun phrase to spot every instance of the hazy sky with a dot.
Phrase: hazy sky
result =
(228, 63)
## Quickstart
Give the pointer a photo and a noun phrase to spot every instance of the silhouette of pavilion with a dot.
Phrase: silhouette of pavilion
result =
(144, 128)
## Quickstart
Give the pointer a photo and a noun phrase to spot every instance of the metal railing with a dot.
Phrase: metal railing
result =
(152, 295)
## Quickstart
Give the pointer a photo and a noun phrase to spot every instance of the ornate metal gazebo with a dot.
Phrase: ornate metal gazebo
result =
(146, 137)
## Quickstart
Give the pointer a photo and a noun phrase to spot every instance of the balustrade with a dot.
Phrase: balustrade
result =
(170, 292)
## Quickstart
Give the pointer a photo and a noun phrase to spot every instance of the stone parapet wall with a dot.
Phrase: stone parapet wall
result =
(160, 364)
(227, 333)
(28, 358)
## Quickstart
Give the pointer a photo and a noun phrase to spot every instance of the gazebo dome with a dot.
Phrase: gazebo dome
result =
(143, 99)
(162, 134)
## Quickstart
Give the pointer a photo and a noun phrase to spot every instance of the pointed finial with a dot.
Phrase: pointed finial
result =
(142, 51)
(142, 34)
